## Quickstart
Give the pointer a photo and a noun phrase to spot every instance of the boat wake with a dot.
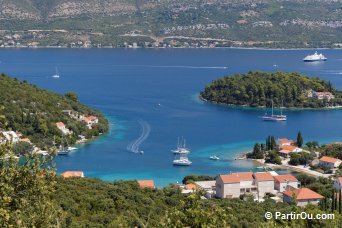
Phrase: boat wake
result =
(135, 145)
(174, 66)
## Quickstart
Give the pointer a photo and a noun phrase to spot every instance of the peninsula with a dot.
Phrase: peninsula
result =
(259, 89)
(43, 119)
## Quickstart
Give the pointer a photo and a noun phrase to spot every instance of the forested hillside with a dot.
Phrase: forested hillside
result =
(259, 89)
(34, 112)
(188, 23)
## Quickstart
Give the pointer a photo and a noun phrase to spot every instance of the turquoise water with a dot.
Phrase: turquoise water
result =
(157, 90)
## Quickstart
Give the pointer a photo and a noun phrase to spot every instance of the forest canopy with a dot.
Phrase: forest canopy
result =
(259, 89)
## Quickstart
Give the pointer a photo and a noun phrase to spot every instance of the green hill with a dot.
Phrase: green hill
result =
(34, 112)
(265, 23)
(256, 89)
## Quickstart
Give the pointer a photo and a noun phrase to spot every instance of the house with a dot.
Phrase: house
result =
(302, 196)
(338, 183)
(323, 95)
(286, 150)
(285, 142)
(208, 186)
(26, 140)
(146, 184)
(90, 121)
(330, 162)
(264, 182)
(70, 174)
(61, 126)
(235, 184)
(191, 186)
(10, 136)
(285, 182)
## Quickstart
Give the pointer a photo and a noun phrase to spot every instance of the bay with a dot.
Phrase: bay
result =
(152, 94)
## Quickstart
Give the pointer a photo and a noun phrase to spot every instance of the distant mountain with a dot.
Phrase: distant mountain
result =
(269, 23)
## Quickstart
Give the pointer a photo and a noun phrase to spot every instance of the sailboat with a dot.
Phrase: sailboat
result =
(56, 75)
(273, 117)
(64, 150)
(181, 148)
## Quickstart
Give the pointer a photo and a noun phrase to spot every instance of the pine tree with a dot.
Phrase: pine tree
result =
(300, 139)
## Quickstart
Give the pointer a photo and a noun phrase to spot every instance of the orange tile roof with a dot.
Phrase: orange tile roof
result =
(328, 159)
(285, 178)
(263, 176)
(236, 177)
(285, 140)
(324, 93)
(60, 124)
(146, 183)
(303, 194)
(191, 186)
(287, 147)
(69, 174)
(25, 140)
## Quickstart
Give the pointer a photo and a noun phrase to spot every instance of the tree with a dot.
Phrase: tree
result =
(299, 141)
(72, 96)
(26, 191)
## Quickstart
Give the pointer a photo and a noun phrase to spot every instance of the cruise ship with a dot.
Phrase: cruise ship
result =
(315, 57)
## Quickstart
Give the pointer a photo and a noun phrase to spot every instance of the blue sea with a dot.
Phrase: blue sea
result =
(150, 97)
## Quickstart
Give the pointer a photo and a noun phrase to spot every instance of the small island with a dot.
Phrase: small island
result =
(37, 119)
(259, 89)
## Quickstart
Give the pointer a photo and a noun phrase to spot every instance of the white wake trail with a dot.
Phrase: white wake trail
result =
(135, 145)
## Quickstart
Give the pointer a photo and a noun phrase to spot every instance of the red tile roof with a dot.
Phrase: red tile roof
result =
(290, 148)
(285, 178)
(236, 177)
(328, 159)
(60, 124)
(303, 194)
(69, 174)
(191, 186)
(146, 183)
(263, 176)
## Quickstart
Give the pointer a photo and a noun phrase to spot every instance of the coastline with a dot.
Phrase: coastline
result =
(240, 48)
(263, 107)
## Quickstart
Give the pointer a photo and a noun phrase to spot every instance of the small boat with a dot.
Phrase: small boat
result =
(56, 75)
(63, 151)
(141, 152)
(315, 57)
(181, 148)
(70, 148)
(182, 161)
(214, 157)
(273, 117)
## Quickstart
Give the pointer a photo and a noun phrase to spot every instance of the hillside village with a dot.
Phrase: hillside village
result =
(16, 137)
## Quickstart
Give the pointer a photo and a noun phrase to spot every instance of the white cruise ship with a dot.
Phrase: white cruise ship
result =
(315, 57)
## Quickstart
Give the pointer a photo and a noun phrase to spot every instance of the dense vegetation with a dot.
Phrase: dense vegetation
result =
(32, 196)
(260, 89)
(94, 203)
(34, 112)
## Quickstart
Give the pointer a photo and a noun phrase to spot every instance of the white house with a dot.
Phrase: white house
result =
(61, 126)
(330, 162)
(285, 142)
(302, 196)
(10, 136)
(90, 121)
(286, 150)
(323, 95)
(285, 182)
(264, 182)
(235, 184)
(338, 183)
